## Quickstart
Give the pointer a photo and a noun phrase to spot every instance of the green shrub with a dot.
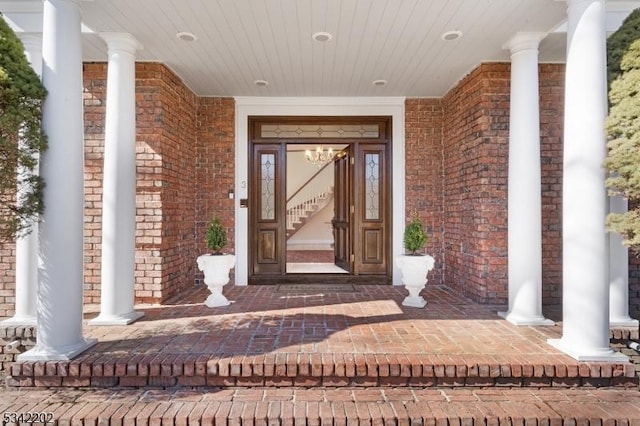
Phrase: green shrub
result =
(415, 237)
(618, 44)
(216, 236)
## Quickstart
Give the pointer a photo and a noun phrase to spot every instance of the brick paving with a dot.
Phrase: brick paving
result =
(329, 406)
(314, 357)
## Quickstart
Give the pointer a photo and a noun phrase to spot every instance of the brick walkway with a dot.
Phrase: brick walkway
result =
(388, 406)
(276, 357)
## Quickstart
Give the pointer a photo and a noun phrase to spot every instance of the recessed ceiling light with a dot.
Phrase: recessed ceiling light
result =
(186, 36)
(322, 36)
(380, 82)
(451, 35)
(261, 83)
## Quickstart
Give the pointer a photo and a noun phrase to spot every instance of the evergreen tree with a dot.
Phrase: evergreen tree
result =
(623, 127)
(618, 43)
(21, 137)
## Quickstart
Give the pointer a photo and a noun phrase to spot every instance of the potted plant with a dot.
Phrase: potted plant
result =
(415, 265)
(217, 265)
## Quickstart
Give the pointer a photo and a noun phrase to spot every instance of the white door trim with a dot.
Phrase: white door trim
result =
(370, 106)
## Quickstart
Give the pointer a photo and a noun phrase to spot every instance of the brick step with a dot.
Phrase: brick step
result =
(370, 406)
(312, 370)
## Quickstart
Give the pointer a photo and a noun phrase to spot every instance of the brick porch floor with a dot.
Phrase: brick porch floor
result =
(274, 356)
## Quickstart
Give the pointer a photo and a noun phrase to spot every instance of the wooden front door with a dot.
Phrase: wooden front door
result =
(267, 220)
(371, 209)
(362, 190)
(343, 201)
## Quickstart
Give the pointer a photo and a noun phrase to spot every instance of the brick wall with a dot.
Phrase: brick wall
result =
(165, 158)
(456, 177)
(476, 130)
(94, 96)
(551, 131)
(215, 170)
(7, 279)
(424, 175)
(475, 151)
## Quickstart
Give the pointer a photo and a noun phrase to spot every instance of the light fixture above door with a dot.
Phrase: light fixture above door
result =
(319, 156)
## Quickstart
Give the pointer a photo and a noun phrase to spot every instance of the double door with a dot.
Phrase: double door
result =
(361, 217)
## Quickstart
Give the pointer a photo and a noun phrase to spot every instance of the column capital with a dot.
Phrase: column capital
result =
(524, 41)
(124, 42)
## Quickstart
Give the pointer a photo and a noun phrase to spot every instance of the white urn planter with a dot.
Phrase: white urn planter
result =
(216, 270)
(414, 270)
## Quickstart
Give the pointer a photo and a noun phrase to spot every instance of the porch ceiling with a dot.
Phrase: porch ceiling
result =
(240, 41)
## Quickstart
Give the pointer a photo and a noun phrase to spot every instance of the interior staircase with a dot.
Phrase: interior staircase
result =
(299, 215)
(309, 198)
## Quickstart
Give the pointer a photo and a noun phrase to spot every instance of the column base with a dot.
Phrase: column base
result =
(122, 319)
(64, 353)
(605, 354)
(20, 320)
(523, 320)
(623, 322)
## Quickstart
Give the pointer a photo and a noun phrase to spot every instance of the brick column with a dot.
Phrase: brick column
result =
(119, 186)
(525, 197)
(27, 246)
(60, 274)
(585, 298)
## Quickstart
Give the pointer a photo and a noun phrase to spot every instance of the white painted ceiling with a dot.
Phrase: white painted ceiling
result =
(240, 41)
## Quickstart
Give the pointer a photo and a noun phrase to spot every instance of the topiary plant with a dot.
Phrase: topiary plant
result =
(216, 236)
(415, 237)
(21, 138)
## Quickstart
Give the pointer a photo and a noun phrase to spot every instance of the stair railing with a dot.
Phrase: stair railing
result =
(311, 194)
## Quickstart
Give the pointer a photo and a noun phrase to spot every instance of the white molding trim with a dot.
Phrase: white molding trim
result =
(317, 106)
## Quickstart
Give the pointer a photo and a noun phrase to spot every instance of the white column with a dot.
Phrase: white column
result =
(119, 185)
(585, 293)
(525, 199)
(60, 273)
(619, 273)
(27, 246)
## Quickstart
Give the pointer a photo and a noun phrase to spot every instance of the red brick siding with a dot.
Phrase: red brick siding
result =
(165, 151)
(424, 175)
(150, 182)
(95, 92)
(215, 169)
(476, 134)
(178, 150)
(551, 131)
(7, 279)
(456, 177)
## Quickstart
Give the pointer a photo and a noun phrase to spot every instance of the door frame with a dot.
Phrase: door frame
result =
(268, 106)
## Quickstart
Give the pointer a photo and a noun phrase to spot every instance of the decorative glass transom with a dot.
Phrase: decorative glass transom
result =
(323, 131)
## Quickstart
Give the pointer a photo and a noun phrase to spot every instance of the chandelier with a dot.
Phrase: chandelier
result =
(319, 156)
